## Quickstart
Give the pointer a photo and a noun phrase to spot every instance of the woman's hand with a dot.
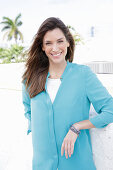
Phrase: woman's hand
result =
(68, 143)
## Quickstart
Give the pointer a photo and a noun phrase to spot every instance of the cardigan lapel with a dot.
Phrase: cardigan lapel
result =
(62, 77)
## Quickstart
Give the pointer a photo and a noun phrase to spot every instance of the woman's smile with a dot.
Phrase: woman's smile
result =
(57, 55)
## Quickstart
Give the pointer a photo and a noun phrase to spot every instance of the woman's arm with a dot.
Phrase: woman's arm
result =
(102, 101)
(85, 124)
(100, 98)
(27, 106)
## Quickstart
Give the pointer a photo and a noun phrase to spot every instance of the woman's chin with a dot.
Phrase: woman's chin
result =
(58, 61)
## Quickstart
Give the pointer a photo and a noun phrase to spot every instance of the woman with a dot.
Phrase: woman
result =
(57, 95)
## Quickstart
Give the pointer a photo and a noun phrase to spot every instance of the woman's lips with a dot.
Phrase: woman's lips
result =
(56, 55)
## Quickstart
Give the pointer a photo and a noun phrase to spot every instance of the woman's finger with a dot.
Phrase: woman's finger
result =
(69, 149)
(62, 149)
(66, 149)
(72, 147)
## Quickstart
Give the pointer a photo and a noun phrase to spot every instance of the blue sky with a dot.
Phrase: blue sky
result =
(81, 14)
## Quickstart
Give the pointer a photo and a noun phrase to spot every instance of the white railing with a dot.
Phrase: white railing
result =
(101, 67)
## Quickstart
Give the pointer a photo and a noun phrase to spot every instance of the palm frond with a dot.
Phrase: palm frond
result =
(7, 19)
(19, 23)
(9, 37)
(6, 23)
(16, 19)
(70, 27)
(15, 35)
(21, 36)
(5, 35)
(11, 34)
(5, 28)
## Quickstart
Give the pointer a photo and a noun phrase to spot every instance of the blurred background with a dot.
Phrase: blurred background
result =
(91, 23)
(91, 19)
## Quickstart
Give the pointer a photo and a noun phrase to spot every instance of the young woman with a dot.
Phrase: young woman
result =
(57, 95)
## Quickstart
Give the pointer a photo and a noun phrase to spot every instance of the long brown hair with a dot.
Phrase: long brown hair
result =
(37, 64)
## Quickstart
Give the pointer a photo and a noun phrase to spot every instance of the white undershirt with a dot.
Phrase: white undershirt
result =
(52, 87)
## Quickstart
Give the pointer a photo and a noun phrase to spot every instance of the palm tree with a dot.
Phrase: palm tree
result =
(76, 35)
(11, 28)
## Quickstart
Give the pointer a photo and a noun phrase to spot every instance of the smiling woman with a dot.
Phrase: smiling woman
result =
(45, 51)
(57, 95)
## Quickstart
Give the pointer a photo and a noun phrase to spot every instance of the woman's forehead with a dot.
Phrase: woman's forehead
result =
(54, 34)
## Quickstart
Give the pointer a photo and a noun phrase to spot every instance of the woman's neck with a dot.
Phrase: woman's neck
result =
(56, 70)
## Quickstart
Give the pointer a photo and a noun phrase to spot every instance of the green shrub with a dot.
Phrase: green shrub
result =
(14, 54)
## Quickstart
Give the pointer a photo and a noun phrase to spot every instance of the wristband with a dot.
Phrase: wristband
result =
(75, 130)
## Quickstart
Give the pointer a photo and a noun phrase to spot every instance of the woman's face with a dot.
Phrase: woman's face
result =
(55, 45)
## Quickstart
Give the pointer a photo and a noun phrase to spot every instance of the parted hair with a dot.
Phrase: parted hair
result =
(37, 64)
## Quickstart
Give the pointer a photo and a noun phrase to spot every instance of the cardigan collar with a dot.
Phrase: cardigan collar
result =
(62, 76)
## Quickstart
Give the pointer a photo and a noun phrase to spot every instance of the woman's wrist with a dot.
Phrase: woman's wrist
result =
(77, 126)
(75, 130)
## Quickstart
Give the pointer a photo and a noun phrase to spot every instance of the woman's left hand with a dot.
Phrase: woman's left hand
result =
(68, 143)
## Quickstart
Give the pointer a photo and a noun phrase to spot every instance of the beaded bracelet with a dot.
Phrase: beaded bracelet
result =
(74, 130)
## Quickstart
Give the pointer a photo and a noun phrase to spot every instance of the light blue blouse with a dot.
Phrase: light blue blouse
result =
(50, 123)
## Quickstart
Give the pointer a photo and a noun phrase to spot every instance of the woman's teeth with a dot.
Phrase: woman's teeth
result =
(56, 54)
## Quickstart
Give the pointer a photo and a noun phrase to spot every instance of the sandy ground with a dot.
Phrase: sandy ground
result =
(16, 145)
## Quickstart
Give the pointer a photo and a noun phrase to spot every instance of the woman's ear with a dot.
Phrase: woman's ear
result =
(68, 44)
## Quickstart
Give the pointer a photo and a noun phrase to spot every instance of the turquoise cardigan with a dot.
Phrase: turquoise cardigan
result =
(50, 122)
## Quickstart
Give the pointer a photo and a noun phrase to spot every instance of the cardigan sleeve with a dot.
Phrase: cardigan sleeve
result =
(100, 98)
(27, 106)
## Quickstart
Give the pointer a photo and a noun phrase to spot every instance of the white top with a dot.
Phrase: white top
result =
(52, 87)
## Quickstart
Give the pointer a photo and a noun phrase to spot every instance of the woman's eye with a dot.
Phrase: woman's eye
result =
(48, 43)
(60, 41)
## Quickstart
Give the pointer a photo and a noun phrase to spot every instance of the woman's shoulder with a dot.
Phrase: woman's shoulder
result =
(79, 67)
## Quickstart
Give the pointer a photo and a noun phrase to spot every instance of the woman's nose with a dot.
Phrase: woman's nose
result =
(55, 47)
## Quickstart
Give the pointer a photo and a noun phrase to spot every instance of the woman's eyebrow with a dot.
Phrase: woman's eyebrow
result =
(57, 40)
(61, 38)
(47, 41)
